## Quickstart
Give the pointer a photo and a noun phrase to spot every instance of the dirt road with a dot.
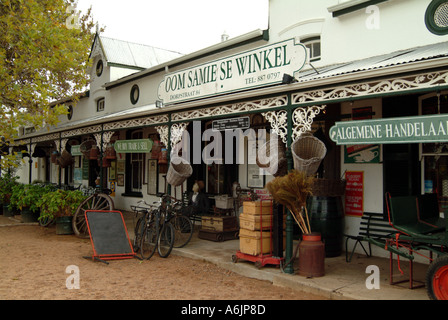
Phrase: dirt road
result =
(40, 265)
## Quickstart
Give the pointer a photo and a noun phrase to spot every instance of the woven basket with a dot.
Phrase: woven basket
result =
(65, 159)
(328, 187)
(178, 172)
(308, 152)
(276, 163)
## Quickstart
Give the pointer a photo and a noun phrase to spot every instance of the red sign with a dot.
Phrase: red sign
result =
(354, 193)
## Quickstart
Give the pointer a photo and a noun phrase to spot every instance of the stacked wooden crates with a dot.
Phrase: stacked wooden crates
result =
(256, 227)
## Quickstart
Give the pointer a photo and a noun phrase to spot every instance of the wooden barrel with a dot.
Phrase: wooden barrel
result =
(311, 256)
(327, 217)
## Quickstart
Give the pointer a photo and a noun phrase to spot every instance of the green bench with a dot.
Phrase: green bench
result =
(373, 229)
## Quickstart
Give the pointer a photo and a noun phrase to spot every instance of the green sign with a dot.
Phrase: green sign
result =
(133, 146)
(76, 150)
(420, 129)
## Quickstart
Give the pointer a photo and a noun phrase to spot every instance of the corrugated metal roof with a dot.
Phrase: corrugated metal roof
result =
(387, 60)
(134, 54)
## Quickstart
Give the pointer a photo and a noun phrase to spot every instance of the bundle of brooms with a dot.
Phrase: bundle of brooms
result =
(292, 191)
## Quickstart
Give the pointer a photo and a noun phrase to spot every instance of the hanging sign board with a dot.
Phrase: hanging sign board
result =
(133, 146)
(76, 151)
(354, 193)
(420, 129)
(230, 124)
(251, 69)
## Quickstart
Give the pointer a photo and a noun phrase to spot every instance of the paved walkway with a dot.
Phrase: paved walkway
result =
(342, 280)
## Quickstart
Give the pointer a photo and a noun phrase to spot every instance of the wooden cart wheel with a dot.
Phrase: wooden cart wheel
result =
(437, 279)
(100, 202)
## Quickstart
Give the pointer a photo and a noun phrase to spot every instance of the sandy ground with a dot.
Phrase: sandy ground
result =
(34, 262)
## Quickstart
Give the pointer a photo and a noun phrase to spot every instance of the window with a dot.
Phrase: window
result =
(70, 112)
(314, 45)
(436, 17)
(435, 155)
(135, 94)
(99, 68)
(100, 105)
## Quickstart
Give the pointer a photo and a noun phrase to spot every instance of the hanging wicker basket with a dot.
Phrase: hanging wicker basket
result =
(65, 159)
(328, 187)
(178, 171)
(275, 163)
(308, 152)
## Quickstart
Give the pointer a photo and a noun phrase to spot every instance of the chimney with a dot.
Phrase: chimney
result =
(224, 37)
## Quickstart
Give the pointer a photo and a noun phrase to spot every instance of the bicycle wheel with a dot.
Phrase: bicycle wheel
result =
(100, 202)
(138, 231)
(149, 241)
(165, 241)
(183, 230)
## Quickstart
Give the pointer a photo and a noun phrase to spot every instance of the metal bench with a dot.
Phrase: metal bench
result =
(374, 229)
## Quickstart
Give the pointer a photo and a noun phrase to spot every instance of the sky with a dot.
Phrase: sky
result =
(184, 26)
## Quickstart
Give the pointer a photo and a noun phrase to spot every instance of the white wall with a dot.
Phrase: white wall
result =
(396, 25)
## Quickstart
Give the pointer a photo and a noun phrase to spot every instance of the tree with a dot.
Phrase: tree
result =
(44, 49)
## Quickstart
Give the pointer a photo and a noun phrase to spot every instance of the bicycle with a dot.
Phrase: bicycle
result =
(158, 232)
(183, 227)
(144, 220)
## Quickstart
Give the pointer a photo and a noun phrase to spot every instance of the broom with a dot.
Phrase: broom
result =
(292, 191)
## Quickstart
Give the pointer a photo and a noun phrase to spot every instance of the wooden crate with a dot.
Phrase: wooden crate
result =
(252, 221)
(250, 242)
(257, 207)
(220, 224)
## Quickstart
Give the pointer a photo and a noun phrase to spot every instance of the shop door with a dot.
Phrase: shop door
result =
(401, 163)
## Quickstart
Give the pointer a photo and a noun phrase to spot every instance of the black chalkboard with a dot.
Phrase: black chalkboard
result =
(108, 234)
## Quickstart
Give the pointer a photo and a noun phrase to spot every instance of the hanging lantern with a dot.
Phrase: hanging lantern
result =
(94, 153)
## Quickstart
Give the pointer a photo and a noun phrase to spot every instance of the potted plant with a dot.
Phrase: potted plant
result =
(60, 205)
(7, 182)
(26, 198)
